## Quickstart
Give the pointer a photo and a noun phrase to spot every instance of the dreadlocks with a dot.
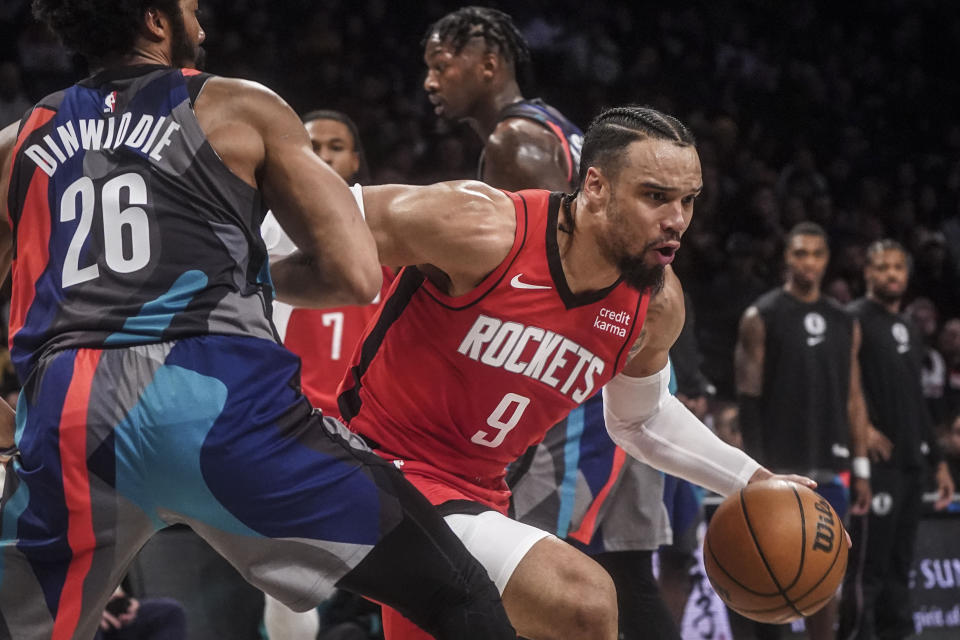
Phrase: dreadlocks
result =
(495, 27)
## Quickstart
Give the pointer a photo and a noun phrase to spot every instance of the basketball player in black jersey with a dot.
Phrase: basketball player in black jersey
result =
(876, 591)
(473, 56)
(185, 408)
(798, 381)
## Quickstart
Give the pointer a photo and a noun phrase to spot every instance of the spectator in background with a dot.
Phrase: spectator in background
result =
(725, 297)
(726, 423)
(933, 369)
(950, 445)
(876, 592)
(13, 101)
(949, 343)
(934, 275)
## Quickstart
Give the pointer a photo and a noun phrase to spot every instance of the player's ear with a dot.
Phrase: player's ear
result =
(155, 24)
(595, 187)
(490, 64)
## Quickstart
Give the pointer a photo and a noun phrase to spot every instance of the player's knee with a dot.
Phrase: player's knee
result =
(592, 606)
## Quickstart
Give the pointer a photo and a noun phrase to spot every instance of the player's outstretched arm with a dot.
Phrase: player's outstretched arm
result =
(650, 424)
(263, 141)
(860, 429)
(521, 154)
(463, 229)
(8, 138)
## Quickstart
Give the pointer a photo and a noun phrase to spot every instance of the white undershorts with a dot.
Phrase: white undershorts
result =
(498, 542)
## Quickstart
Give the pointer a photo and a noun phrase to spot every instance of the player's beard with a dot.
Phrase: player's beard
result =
(638, 274)
(888, 295)
(634, 268)
(184, 52)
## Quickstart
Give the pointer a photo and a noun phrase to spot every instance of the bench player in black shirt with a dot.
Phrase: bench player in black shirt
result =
(798, 380)
(876, 591)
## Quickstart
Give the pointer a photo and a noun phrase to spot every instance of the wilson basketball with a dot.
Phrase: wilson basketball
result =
(775, 551)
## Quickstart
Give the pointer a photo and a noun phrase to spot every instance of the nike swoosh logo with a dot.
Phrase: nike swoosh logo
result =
(516, 284)
(813, 341)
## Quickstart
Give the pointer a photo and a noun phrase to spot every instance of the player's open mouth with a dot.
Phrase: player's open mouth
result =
(666, 253)
(437, 103)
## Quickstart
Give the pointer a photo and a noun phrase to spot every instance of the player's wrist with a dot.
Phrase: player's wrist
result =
(860, 467)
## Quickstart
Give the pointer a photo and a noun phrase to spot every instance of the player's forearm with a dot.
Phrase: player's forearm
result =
(859, 425)
(305, 281)
(653, 426)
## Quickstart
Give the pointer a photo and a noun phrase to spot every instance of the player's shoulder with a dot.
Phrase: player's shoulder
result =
(516, 132)
(837, 308)
(474, 197)
(8, 138)
(239, 96)
(858, 307)
(767, 301)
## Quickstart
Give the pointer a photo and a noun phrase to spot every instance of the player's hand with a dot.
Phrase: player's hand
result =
(862, 494)
(879, 446)
(765, 474)
(945, 487)
(108, 621)
(130, 614)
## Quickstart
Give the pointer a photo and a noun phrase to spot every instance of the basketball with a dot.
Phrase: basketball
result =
(775, 551)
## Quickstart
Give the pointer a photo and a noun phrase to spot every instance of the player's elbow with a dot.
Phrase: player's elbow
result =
(630, 435)
(362, 285)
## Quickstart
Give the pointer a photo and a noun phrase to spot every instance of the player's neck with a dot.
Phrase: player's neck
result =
(584, 267)
(892, 306)
(803, 294)
(136, 56)
(488, 114)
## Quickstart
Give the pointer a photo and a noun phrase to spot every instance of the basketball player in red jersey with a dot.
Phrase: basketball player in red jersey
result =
(576, 483)
(519, 306)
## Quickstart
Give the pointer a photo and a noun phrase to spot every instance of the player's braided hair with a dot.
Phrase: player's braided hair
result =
(98, 29)
(609, 135)
(495, 27)
(614, 129)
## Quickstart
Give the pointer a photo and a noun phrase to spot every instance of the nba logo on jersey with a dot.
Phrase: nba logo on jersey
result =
(110, 102)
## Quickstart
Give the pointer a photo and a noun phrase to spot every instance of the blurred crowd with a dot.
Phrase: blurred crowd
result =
(840, 113)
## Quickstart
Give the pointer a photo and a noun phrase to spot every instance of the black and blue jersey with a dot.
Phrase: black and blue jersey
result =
(138, 232)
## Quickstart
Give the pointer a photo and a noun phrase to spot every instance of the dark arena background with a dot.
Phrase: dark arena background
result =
(843, 113)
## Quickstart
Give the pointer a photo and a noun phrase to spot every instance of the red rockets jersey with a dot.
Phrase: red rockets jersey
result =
(324, 340)
(456, 388)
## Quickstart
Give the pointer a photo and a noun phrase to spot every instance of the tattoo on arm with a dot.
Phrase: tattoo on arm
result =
(638, 343)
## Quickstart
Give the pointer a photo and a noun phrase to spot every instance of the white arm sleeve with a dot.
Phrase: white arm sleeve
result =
(357, 191)
(654, 427)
